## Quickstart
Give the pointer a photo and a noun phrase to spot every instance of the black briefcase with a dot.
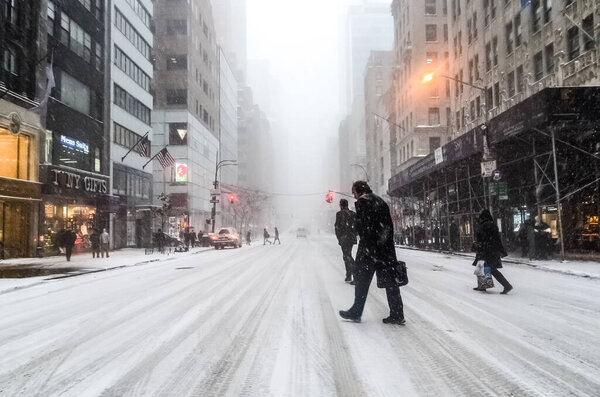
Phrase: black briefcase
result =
(392, 276)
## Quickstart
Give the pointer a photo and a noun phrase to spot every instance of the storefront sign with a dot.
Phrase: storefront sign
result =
(76, 181)
(74, 144)
(181, 172)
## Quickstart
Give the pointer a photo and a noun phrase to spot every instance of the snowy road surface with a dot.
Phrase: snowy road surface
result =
(262, 321)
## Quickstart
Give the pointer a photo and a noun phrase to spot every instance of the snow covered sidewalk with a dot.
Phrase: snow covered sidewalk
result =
(589, 269)
(58, 267)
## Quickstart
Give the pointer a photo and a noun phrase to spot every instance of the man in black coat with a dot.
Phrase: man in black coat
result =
(375, 250)
(489, 248)
(345, 231)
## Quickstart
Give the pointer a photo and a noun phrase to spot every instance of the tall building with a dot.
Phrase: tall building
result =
(131, 105)
(422, 111)
(523, 79)
(22, 50)
(378, 124)
(231, 26)
(186, 109)
(75, 167)
(369, 27)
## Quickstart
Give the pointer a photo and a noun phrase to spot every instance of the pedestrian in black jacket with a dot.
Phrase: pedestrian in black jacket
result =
(489, 248)
(375, 250)
(345, 231)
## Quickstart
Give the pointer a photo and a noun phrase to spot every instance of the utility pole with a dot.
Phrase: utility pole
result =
(558, 206)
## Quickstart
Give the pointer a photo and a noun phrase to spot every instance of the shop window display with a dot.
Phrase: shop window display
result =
(15, 155)
(80, 218)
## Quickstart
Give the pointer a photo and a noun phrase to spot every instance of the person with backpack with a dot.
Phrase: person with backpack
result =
(345, 231)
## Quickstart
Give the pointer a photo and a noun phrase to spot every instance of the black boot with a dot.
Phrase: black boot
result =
(347, 315)
(394, 320)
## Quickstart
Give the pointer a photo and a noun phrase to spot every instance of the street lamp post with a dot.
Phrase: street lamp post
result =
(363, 168)
(486, 151)
(220, 164)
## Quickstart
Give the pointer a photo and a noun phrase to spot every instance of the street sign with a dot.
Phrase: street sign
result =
(214, 201)
(496, 175)
(439, 156)
(215, 192)
(503, 191)
(487, 167)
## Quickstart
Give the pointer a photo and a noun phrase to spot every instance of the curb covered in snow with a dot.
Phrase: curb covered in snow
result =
(539, 266)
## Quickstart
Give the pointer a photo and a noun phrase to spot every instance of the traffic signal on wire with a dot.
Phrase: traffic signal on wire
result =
(231, 198)
(329, 197)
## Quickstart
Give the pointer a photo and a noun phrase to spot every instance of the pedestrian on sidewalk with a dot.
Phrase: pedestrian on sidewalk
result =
(160, 241)
(276, 236)
(345, 231)
(95, 240)
(266, 236)
(531, 240)
(104, 243)
(375, 250)
(68, 238)
(488, 247)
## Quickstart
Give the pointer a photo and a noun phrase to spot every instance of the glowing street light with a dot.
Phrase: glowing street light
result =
(428, 78)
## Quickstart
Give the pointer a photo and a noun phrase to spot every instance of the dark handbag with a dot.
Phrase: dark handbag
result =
(392, 276)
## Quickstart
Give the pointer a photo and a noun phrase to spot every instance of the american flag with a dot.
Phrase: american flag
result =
(143, 148)
(164, 158)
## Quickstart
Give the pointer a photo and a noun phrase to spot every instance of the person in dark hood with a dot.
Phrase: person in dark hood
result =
(489, 248)
(345, 231)
(375, 250)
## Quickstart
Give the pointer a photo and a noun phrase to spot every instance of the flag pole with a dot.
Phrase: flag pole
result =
(133, 147)
(152, 158)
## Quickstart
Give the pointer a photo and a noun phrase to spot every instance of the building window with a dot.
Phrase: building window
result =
(469, 33)
(478, 106)
(536, 15)
(472, 110)
(176, 27)
(123, 62)
(549, 55)
(497, 94)
(98, 57)
(445, 7)
(74, 93)
(538, 66)
(573, 42)
(445, 33)
(488, 57)
(51, 16)
(73, 36)
(16, 155)
(97, 160)
(177, 97)
(476, 66)
(140, 10)
(520, 79)
(510, 81)
(131, 105)
(177, 62)
(178, 133)
(127, 138)
(430, 33)
(430, 7)
(9, 62)
(434, 143)
(471, 71)
(131, 34)
(87, 4)
(495, 50)
(588, 27)
(434, 116)
(10, 11)
(509, 37)
(474, 25)
(489, 98)
(518, 30)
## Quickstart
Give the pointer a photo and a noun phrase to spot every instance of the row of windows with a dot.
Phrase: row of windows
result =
(125, 137)
(125, 63)
(131, 105)
(73, 36)
(130, 184)
(94, 7)
(132, 35)
(141, 11)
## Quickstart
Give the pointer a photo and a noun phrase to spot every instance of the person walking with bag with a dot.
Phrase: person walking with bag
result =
(345, 231)
(266, 236)
(488, 247)
(376, 251)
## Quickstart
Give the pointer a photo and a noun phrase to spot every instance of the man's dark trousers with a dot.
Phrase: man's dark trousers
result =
(348, 260)
(68, 251)
(363, 275)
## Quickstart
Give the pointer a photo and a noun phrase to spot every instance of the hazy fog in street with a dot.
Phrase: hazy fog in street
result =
(300, 47)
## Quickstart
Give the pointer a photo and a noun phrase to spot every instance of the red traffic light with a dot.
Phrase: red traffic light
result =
(232, 198)
(329, 197)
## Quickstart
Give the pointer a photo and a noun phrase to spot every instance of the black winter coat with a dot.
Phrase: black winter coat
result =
(345, 227)
(488, 244)
(376, 232)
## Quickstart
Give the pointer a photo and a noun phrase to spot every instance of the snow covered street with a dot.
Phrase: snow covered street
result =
(263, 320)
